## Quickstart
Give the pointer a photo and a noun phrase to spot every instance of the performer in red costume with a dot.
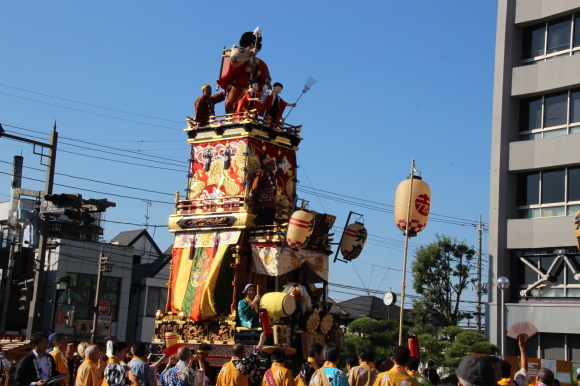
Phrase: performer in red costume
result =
(274, 106)
(250, 100)
(243, 66)
(204, 105)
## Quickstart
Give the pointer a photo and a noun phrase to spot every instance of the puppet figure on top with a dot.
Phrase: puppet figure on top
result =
(243, 66)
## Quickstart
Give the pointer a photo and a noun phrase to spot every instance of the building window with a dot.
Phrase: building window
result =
(551, 40)
(548, 193)
(156, 299)
(550, 115)
(136, 259)
(82, 289)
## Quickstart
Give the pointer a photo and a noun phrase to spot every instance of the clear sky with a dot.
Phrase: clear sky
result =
(396, 81)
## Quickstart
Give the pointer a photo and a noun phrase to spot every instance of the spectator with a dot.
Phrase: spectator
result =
(432, 374)
(397, 376)
(329, 373)
(475, 371)
(181, 374)
(141, 373)
(365, 373)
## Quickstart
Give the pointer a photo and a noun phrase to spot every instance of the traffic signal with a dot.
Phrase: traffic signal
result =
(71, 317)
(24, 292)
(97, 205)
(65, 200)
(73, 214)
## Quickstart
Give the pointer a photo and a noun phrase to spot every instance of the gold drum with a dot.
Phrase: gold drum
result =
(278, 304)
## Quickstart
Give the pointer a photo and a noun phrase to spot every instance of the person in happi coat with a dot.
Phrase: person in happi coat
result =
(398, 375)
(88, 373)
(117, 372)
(36, 367)
(59, 343)
(242, 370)
(278, 374)
(329, 374)
(365, 373)
(315, 356)
(181, 374)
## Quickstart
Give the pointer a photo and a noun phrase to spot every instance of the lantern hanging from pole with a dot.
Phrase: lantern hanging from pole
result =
(416, 204)
(300, 228)
(353, 240)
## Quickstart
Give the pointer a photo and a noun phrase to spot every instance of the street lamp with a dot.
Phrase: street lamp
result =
(62, 284)
(503, 283)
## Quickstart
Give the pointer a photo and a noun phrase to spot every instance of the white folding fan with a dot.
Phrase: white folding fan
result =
(519, 328)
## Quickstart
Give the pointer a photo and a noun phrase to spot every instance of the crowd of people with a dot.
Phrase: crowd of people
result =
(65, 364)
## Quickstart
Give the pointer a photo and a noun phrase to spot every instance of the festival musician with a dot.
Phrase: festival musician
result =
(248, 307)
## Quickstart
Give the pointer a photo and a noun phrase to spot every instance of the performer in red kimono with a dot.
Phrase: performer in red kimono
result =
(243, 66)
(274, 106)
(250, 100)
(204, 105)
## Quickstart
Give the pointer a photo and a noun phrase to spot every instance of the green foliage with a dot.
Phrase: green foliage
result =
(420, 317)
(440, 274)
(451, 332)
(451, 346)
(485, 348)
(379, 335)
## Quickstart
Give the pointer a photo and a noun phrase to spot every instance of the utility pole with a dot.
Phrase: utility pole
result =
(13, 236)
(479, 291)
(34, 309)
(103, 266)
(34, 317)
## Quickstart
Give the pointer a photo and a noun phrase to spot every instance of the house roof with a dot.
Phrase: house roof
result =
(370, 306)
(127, 238)
(140, 271)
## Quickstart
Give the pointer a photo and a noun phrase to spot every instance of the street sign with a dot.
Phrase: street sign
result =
(104, 307)
(103, 320)
(49, 207)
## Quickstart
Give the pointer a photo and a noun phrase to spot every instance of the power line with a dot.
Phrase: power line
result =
(88, 104)
(90, 112)
(93, 191)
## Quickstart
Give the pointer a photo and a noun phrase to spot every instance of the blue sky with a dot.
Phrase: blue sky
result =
(396, 81)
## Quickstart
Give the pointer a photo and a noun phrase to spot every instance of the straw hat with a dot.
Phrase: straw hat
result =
(286, 349)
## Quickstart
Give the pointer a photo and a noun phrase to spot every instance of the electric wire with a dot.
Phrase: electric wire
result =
(90, 112)
(88, 104)
(331, 196)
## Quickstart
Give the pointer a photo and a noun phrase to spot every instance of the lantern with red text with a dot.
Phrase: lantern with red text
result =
(413, 199)
(300, 228)
(353, 240)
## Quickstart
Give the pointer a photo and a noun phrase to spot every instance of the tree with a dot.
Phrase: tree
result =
(450, 346)
(379, 335)
(441, 274)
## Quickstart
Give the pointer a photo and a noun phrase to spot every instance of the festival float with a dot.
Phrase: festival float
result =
(241, 221)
